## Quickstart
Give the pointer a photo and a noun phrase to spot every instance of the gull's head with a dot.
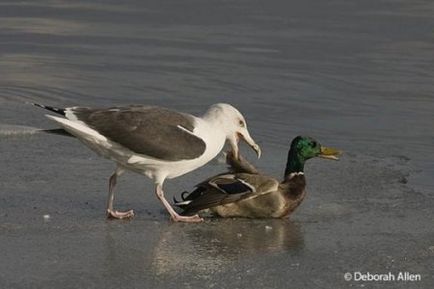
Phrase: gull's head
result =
(234, 126)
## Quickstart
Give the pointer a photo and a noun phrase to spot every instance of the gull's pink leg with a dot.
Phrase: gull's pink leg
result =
(111, 196)
(174, 215)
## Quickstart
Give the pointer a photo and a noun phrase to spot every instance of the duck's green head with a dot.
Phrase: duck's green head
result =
(304, 148)
(307, 148)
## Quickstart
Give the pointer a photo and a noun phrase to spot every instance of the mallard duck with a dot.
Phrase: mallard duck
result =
(245, 192)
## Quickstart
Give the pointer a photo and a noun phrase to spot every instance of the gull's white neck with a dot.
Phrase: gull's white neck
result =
(212, 129)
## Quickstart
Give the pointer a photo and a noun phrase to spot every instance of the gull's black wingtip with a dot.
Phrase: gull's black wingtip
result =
(60, 111)
(57, 131)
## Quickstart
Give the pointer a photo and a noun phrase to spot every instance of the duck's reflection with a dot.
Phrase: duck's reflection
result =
(209, 247)
(173, 249)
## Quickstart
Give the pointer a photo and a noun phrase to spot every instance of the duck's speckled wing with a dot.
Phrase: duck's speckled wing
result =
(227, 188)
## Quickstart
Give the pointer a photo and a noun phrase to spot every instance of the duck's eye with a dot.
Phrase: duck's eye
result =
(314, 144)
(242, 123)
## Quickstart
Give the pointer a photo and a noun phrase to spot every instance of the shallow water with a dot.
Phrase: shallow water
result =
(356, 75)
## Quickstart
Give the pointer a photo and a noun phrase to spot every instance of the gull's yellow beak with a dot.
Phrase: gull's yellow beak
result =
(248, 139)
(329, 153)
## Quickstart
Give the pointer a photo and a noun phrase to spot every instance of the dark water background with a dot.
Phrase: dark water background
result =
(357, 75)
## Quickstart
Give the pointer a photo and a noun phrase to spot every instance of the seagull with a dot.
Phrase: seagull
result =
(154, 141)
(246, 192)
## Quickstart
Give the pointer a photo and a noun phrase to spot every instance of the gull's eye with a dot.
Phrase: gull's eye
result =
(242, 124)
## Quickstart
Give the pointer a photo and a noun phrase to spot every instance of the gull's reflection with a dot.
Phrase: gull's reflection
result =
(205, 248)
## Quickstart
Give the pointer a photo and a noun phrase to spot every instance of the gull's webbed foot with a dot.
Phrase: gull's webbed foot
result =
(187, 219)
(112, 214)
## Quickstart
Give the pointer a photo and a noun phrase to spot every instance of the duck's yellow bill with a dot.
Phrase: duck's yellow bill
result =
(330, 153)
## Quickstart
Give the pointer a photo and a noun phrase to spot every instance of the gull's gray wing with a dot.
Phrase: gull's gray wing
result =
(148, 130)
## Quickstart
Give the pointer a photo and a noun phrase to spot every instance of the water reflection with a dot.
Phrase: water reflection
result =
(170, 250)
(210, 247)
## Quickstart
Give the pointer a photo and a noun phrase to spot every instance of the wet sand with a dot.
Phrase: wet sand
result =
(346, 224)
